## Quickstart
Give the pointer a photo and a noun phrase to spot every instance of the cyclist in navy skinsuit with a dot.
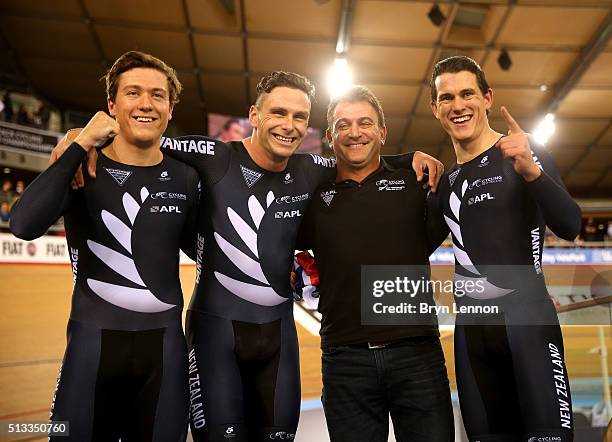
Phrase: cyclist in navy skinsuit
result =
(124, 373)
(497, 202)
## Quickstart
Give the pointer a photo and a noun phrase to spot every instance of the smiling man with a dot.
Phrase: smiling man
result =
(373, 214)
(124, 373)
(497, 202)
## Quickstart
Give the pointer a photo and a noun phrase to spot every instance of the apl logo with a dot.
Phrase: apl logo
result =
(165, 209)
(288, 178)
(287, 214)
(480, 198)
(164, 176)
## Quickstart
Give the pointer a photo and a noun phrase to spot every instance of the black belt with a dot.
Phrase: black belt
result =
(375, 345)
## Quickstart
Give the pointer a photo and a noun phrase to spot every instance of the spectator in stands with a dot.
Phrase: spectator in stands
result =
(594, 230)
(7, 113)
(232, 131)
(609, 233)
(7, 193)
(42, 115)
(19, 186)
(4, 212)
(22, 116)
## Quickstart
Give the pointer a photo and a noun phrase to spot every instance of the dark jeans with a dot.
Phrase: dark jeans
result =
(408, 380)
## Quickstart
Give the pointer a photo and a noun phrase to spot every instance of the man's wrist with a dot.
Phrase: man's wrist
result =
(532, 174)
(85, 144)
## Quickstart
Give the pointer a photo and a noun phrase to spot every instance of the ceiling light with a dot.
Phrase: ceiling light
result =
(543, 88)
(545, 129)
(504, 60)
(339, 78)
(436, 15)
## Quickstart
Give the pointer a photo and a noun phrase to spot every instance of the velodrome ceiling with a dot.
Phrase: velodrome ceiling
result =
(560, 50)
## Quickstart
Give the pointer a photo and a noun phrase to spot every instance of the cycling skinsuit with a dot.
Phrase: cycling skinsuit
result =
(511, 375)
(243, 350)
(124, 373)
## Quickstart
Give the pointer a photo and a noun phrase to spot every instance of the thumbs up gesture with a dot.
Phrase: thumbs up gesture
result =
(515, 147)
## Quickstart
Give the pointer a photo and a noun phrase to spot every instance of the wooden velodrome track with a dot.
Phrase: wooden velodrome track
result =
(34, 307)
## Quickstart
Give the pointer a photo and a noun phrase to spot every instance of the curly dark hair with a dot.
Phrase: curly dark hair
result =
(283, 79)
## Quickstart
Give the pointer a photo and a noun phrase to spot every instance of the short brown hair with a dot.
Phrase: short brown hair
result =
(283, 79)
(136, 59)
(453, 65)
(355, 94)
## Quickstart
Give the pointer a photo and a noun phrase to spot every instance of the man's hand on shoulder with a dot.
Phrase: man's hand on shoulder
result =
(421, 163)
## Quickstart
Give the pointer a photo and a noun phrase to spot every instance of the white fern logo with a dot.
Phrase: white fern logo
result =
(489, 290)
(138, 300)
(257, 294)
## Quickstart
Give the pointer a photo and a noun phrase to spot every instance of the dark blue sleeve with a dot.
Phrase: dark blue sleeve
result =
(47, 197)
(402, 161)
(209, 157)
(561, 213)
(319, 169)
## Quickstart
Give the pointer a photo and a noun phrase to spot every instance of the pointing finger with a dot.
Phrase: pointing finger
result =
(513, 126)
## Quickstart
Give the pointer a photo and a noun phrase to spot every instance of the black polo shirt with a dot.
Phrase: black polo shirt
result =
(380, 221)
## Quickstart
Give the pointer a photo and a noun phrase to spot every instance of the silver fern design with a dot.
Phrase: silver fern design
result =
(136, 299)
(463, 258)
(257, 294)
